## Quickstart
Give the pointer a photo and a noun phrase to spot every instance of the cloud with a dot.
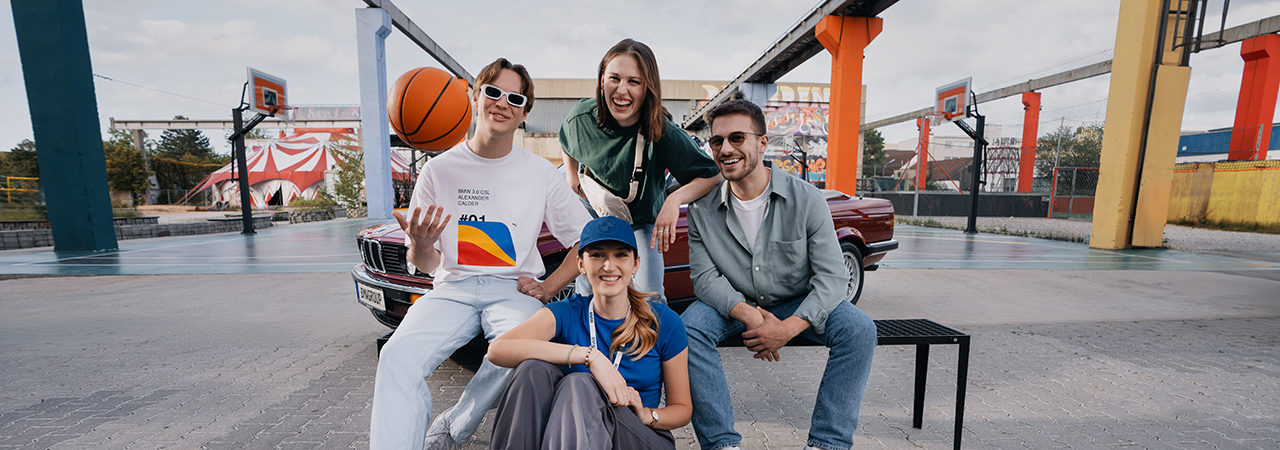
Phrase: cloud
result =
(201, 49)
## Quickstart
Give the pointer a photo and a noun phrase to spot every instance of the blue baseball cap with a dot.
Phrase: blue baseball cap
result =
(607, 228)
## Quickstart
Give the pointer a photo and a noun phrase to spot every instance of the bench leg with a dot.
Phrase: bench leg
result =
(922, 370)
(961, 382)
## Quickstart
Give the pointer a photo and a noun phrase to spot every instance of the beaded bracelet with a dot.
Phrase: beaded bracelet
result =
(568, 360)
(588, 360)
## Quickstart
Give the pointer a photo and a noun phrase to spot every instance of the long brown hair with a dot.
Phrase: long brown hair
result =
(652, 113)
(640, 330)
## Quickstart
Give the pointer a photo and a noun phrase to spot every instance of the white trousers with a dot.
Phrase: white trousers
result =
(436, 325)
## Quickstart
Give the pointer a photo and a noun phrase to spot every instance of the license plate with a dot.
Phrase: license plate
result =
(371, 296)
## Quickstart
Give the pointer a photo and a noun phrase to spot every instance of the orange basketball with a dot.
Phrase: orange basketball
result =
(429, 109)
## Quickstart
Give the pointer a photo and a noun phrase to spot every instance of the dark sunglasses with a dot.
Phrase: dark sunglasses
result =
(736, 138)
(493, 92)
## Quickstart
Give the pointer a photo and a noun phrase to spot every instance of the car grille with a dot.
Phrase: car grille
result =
(386, 257)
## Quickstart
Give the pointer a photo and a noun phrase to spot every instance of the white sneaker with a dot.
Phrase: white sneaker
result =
(438, 437)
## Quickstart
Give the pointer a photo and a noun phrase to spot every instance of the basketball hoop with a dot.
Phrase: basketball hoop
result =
(286, 114)
(936, 118)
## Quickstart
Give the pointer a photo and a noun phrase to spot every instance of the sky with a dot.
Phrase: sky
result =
(164, 58)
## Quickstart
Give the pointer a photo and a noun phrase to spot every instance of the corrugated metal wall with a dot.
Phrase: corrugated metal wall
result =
(548, 114)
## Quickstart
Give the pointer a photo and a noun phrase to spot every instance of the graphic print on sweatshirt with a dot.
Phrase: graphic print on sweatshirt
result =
(485, 244)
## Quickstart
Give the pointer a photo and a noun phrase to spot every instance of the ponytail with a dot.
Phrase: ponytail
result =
(640, 330)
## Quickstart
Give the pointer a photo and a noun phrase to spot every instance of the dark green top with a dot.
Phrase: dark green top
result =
(610, 156)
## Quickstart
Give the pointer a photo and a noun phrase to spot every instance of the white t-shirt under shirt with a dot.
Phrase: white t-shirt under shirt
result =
(498, 207)
(750, 214)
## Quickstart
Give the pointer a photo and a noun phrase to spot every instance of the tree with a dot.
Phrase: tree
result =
(348, 185)
(177, 144)
(21, 161)
(873, 154)
(126, 170)
(1081, 147)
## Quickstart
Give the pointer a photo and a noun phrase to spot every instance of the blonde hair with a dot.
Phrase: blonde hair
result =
(640, 330)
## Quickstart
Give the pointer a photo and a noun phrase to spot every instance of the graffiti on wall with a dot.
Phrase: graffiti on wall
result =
(796, 119)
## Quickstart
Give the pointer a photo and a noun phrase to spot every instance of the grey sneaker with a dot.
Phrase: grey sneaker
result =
(438, 437)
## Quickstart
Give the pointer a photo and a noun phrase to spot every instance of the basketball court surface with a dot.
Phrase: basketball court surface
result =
(329, 246)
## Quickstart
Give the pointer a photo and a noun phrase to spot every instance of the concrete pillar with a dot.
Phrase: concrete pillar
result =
(54, 49)
(1251, 135)
(1030, 130)
(373, 25)
(922, 157)
(1144, 114)
(845, 38)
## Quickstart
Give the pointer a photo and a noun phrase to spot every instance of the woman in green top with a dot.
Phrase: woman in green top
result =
(600, 138)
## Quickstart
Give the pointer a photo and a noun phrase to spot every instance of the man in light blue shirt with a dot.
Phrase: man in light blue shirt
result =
(765, 263)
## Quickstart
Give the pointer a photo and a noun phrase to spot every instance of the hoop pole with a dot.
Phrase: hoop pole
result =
(246, 205)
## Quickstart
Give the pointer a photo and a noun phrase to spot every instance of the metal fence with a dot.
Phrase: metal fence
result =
(1073, 192)
(20, 189)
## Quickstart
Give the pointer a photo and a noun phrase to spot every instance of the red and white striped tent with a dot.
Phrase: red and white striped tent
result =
(291, 167)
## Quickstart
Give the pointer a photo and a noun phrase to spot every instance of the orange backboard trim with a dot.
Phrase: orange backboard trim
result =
(264, 87)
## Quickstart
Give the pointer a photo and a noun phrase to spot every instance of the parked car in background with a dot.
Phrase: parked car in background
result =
(388, 285)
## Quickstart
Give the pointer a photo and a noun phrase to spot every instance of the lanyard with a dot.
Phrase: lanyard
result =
(591, 324)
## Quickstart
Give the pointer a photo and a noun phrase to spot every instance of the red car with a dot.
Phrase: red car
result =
(388, 285)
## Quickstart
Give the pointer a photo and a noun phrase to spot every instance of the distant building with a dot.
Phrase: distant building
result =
(1212, 145)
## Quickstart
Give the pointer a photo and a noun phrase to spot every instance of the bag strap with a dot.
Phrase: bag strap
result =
(638, 173)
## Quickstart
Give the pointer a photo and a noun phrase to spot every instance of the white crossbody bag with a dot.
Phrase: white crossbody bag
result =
(603, 201)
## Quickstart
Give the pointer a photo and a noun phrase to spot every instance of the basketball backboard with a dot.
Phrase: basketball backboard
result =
(953, 99)
(268, 93)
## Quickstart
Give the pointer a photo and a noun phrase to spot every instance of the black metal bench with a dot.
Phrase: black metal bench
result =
(922, 333)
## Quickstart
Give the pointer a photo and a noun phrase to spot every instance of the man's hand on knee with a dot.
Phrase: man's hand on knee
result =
(772, 335)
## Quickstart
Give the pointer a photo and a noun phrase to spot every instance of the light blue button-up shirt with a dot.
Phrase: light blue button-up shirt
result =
(796, 252)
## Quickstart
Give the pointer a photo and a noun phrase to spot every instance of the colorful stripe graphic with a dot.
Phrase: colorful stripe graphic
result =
(485, 244)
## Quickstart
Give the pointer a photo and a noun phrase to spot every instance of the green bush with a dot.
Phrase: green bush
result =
(321, 202)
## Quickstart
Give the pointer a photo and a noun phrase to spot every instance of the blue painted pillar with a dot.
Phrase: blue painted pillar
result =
(54, 49)
(373, 25)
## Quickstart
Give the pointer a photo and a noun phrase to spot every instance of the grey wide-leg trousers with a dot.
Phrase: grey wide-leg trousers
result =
(545, 409)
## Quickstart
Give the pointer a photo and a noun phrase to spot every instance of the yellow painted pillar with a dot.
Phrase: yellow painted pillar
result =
(1140, 140)
(845, 38)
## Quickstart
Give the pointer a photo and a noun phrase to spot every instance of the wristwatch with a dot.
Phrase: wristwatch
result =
(654, 413)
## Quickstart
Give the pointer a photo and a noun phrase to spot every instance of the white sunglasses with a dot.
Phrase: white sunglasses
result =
(496, 93)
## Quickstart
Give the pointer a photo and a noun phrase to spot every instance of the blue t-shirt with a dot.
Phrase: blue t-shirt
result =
(645, 374)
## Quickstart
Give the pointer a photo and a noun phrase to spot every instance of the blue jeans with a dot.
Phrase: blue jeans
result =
(436, 325)
(851, 337)
(651, 268)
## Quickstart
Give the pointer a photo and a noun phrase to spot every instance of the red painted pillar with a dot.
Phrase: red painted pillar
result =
(1030, 128)
(1251, 134)
(845, 38)
(922, 157)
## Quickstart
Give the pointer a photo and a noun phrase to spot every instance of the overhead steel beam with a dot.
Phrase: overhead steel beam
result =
(415, 34)
(1270, 25)
(1231, 35)
(789, 51)
(1056, 79)
(225, 124)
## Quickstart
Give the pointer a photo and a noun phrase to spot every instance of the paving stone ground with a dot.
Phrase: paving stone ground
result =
(287, 361)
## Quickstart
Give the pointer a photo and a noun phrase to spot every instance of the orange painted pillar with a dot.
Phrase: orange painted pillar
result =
(922, 159)
(845, 38)
(1030, 129)
(1251, 134)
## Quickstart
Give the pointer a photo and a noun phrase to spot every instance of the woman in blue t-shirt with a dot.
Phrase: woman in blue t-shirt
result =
(589, 371)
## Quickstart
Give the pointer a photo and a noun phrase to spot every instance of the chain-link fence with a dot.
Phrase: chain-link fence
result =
(1073, 192)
